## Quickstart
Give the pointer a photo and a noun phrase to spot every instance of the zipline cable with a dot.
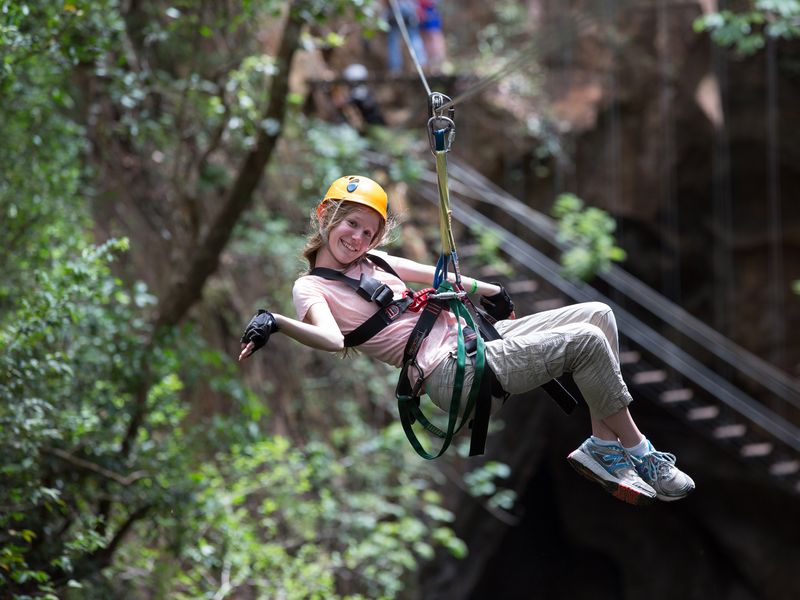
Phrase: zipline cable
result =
(520, 58)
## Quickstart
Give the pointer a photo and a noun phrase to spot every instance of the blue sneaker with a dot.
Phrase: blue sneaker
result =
(658, 469)
(611, 467)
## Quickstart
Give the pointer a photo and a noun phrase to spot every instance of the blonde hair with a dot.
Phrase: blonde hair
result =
(330, 214)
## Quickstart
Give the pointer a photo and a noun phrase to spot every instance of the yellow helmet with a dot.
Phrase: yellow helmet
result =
(358, 189)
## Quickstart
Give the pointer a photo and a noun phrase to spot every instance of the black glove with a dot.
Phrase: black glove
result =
(500, 306)
(260, 327)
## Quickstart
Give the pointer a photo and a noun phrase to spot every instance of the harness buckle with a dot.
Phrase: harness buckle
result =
(419, 381)
(373, 290)
(383, 296)
(436, 101)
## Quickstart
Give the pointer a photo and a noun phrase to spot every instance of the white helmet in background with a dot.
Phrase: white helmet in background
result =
(355, 72)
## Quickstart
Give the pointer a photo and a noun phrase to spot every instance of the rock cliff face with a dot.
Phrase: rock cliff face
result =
(688, 146)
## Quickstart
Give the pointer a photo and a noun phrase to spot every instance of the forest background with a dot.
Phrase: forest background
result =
(159, 162)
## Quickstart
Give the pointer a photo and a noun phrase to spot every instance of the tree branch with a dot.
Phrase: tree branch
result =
(188, 285)
(187, 288)
(101, 558)
(107, 552)
(86, 465)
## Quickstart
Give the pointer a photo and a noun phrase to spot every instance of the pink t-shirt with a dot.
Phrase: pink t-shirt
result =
(350, 310)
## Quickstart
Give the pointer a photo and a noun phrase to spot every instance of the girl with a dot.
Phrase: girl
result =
(580, 339)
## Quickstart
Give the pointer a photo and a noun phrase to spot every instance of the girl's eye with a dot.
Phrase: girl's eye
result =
(352, 223)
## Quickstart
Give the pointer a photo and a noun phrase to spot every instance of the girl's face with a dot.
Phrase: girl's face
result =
(349, 239)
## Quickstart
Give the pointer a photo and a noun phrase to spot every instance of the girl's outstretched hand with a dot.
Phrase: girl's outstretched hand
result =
(247, 350)
(257, 333)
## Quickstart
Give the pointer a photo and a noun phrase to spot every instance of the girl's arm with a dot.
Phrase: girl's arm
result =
(414, 272)
(319, 330)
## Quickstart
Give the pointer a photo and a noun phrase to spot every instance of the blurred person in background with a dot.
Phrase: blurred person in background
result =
(430, 27)
(408, 12)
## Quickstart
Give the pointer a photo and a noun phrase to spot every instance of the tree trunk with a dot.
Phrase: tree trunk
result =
(187, 287)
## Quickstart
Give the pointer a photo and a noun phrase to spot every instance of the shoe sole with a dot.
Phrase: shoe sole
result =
(618, 490)
(664, 498)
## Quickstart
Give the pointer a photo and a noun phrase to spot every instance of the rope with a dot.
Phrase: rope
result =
(398, 17)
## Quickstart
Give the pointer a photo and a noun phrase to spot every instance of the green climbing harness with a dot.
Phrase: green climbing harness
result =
(441, 132)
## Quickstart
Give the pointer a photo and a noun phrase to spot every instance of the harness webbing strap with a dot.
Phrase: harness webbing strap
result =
(371, 290)
(408, 395)
(378, 321)
(483, 410)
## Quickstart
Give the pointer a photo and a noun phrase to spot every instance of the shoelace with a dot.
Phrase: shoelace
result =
(613, 458)
(657, 463)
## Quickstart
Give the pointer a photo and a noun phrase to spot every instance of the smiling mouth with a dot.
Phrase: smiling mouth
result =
(348, 246)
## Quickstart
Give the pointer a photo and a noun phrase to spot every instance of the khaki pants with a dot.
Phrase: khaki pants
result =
(580, 339)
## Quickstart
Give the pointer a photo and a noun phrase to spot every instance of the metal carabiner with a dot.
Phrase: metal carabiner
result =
(447, 296)
(441, 127)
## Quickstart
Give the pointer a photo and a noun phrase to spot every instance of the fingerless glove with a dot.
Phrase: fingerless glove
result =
(499, 306)
(260, 327)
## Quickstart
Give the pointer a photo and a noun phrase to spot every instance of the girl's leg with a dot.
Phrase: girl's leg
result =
(619, 426)
(418, 45)
(593, 313)
(394, 50)
(582, 340)
(527, 357)
(523, 362)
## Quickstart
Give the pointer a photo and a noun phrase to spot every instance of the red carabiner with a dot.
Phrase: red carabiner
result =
(420, 299)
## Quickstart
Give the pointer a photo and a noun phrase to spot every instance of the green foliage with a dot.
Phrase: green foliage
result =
(70, 348)
(482, 482)
(488, 250)
(40, 44)
(278, 520)
(588, 232)
(747, 31)
(59, 306)
(111, 474)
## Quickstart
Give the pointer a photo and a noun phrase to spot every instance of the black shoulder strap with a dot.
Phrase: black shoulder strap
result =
(335, 275)
(379, 320)
(377, 260)
(371, 290)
